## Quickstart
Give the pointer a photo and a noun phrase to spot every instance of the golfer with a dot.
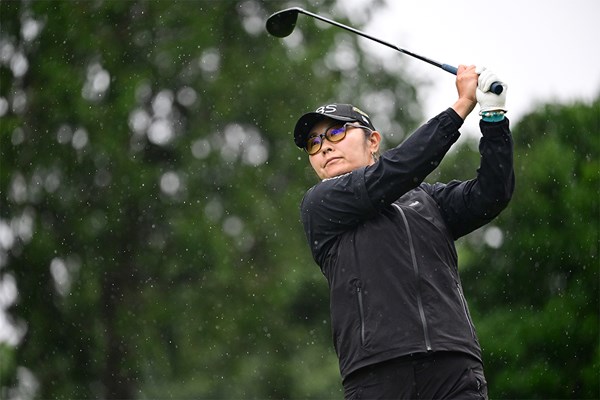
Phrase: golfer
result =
(384, 240)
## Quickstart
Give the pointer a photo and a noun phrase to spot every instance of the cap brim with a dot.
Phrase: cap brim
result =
(306, 123)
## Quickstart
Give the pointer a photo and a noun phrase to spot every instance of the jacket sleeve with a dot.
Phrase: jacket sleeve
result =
(404, 168)
(336, 205)
(471, 204)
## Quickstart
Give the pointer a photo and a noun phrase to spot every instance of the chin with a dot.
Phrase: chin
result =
(333, 172)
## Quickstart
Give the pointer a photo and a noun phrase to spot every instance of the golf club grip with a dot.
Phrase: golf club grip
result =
(496, 87)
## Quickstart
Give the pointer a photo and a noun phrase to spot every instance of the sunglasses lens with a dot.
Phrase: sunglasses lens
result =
(336, 134)
(313, 145)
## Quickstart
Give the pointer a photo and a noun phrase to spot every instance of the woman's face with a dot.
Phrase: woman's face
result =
(352, 152)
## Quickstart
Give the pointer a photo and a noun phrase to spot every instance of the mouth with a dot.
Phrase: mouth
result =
(332, 159)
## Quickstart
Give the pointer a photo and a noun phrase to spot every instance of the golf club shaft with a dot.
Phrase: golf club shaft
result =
(495, 88)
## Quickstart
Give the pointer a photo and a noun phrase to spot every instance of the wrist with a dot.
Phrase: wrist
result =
(463, 107)
(492, 116)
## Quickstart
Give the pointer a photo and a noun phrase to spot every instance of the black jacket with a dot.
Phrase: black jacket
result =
(385, 242)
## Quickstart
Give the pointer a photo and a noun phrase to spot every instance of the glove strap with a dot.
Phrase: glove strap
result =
(492, 116)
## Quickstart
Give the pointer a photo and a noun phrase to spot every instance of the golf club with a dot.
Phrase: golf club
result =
(282, 24)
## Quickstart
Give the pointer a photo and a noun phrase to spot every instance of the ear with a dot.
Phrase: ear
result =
(374, 141)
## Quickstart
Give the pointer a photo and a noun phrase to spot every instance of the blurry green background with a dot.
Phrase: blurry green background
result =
(150, 242)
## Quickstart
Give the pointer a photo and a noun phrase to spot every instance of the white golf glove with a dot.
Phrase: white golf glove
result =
(487, 100)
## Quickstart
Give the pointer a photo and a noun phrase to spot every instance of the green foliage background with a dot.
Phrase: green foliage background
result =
(177, 268)
(535, 298)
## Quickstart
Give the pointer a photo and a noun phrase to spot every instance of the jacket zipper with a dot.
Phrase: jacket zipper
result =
(463, 301)
(418, 278)
(361, 312)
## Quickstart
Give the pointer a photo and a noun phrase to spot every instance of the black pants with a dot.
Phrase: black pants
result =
(442, 375)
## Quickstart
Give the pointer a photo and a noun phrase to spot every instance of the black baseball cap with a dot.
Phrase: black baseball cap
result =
(338, 112)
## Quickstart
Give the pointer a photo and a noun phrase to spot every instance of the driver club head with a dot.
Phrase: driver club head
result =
(282, 23)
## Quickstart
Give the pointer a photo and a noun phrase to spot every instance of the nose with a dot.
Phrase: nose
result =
(326, 145)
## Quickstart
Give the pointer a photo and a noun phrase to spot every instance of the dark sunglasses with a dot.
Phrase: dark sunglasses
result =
(333, 134)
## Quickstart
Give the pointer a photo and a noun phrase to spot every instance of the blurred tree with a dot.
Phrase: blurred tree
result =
(149, 236)
(149, 197)
(532, 275)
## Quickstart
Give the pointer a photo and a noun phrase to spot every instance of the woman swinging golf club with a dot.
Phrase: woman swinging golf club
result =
(384, 239)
